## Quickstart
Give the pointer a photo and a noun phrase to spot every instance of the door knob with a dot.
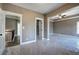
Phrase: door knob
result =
(0, 34)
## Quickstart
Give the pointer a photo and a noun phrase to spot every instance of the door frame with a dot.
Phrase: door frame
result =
(48, 23)
(15, 14)
(48, 27)
(37, 18)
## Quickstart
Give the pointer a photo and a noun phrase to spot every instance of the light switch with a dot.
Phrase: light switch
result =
(23, 27)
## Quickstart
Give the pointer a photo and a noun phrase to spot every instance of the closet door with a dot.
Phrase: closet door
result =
(2, 32)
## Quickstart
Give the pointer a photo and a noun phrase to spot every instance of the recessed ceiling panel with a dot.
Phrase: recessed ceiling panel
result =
(40, 7)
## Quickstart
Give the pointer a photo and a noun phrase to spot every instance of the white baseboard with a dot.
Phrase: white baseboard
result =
(48, 39)
(28, 42)
(45, 39)
(65, 35)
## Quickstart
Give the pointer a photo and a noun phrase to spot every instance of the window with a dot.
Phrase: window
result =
(78, 27)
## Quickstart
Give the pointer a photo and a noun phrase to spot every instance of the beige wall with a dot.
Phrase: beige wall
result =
(28, 20)
(0, 5)
(68, 27)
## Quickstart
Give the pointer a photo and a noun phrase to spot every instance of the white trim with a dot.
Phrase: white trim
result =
(48, 28)
(3, 32)
(37, 18)
(19, 15)
(12, 13)
(28, 42)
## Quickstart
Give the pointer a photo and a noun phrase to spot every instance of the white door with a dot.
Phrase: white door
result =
(2, 32)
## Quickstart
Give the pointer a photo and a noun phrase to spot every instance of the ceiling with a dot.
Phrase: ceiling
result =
(40, 7)
(71, 13)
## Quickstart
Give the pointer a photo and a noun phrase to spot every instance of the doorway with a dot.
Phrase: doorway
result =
(12, 36)
(3, 16)
(13, 29)
(39, 29)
